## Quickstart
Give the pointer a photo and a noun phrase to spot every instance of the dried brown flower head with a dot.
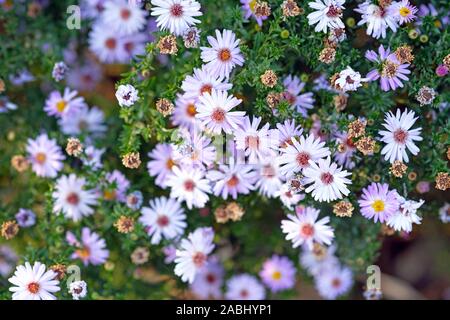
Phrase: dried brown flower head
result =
(165, 107)
(273, 99)
(343, 209)
(124, 224)
(168, 45)
(9, 229)
(269, 78)
(446, 61)
(340, 101)
(60, 270)
(20, 163)
(412, 176)
(131, 160)
(74, 147)
(2, 85)
(357, 128)
(386, 230)
(140, 255)
(290, 8)
(221, 215)
(34, 9)
(442, 181)
(398, 168)
(404, 54)
(426, 95)
(234, 211)
(365, 145)
(384, 3)
(327, 55)
(448, 153)
(261, 9)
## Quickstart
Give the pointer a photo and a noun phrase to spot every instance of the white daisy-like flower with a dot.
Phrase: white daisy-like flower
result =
(269, 179)
(85, 120)
(328, 14)
(123, 18)
(334, 282)
(107, 44)
(244, 287)
(209, 280)
(214, 112)
(78, 289)
(203, 81)
(399, 136)
(404, 218)
(184, 113)
(193, 253)
(328, 181)
(45, 156)
(223, 55)
(127, 95)
(72, 198)
(232, 179)
(296, 156)
(318, 259)
(288, 197)
(164, 218)
(176, 15)
(256, 143)
(378, 19)
(189, 185)
(349, 80)
(304, 229)
(34, 282)
(196, 151)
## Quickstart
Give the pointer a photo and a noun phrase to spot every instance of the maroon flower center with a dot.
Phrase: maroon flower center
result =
(244, 293)
(111, 43)
(189, 185)
(233, 181)
(73, 198)
(349, 80)
(302, 159)
(334, 12)
(400, 136)
(33, 287)
(206, 88)
(268, 171)
(289, 97)
(162, 221)
(327, 178)
(176, 10)
(252, 142)
(125, 14)
(307, 230)
(336, 283)
(218, 115)
(199, 259)
(210, 278)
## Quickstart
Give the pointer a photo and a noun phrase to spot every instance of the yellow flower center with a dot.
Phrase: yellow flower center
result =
(276, 275)
(40, 157)
(61, 105)
(378, 205)
(252, 5)
(404, 12)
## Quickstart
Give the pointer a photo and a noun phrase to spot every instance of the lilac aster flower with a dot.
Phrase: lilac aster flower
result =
(248, 7)
(25, 218)
(161, 163)
(389, 69)
(301, 102)
(378, 202)
(91, 250)
(60, 105)
(120, 186)
(45, 156)
(278, 273)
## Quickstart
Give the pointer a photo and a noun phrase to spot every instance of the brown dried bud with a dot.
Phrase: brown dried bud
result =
(404, 54)
(290, 8)
(9, 229)
(446, 61)
(131, 160)
(140, 255)
(386, 230)
(2, 85)
(34, 9)
(269, 78)
(168, 45)
(365, 145)
(340, 101)
(442, 181)
(426, 95)
(398, 168)
(448, 153)
(234, 211)
(327, 55)
(273, 99)
(261, 9)
(124, 224)
(74, 147)
(357, 128)
(60, 270)
(343, 209)
(221, 215)
(165, 107)
(20, 163)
